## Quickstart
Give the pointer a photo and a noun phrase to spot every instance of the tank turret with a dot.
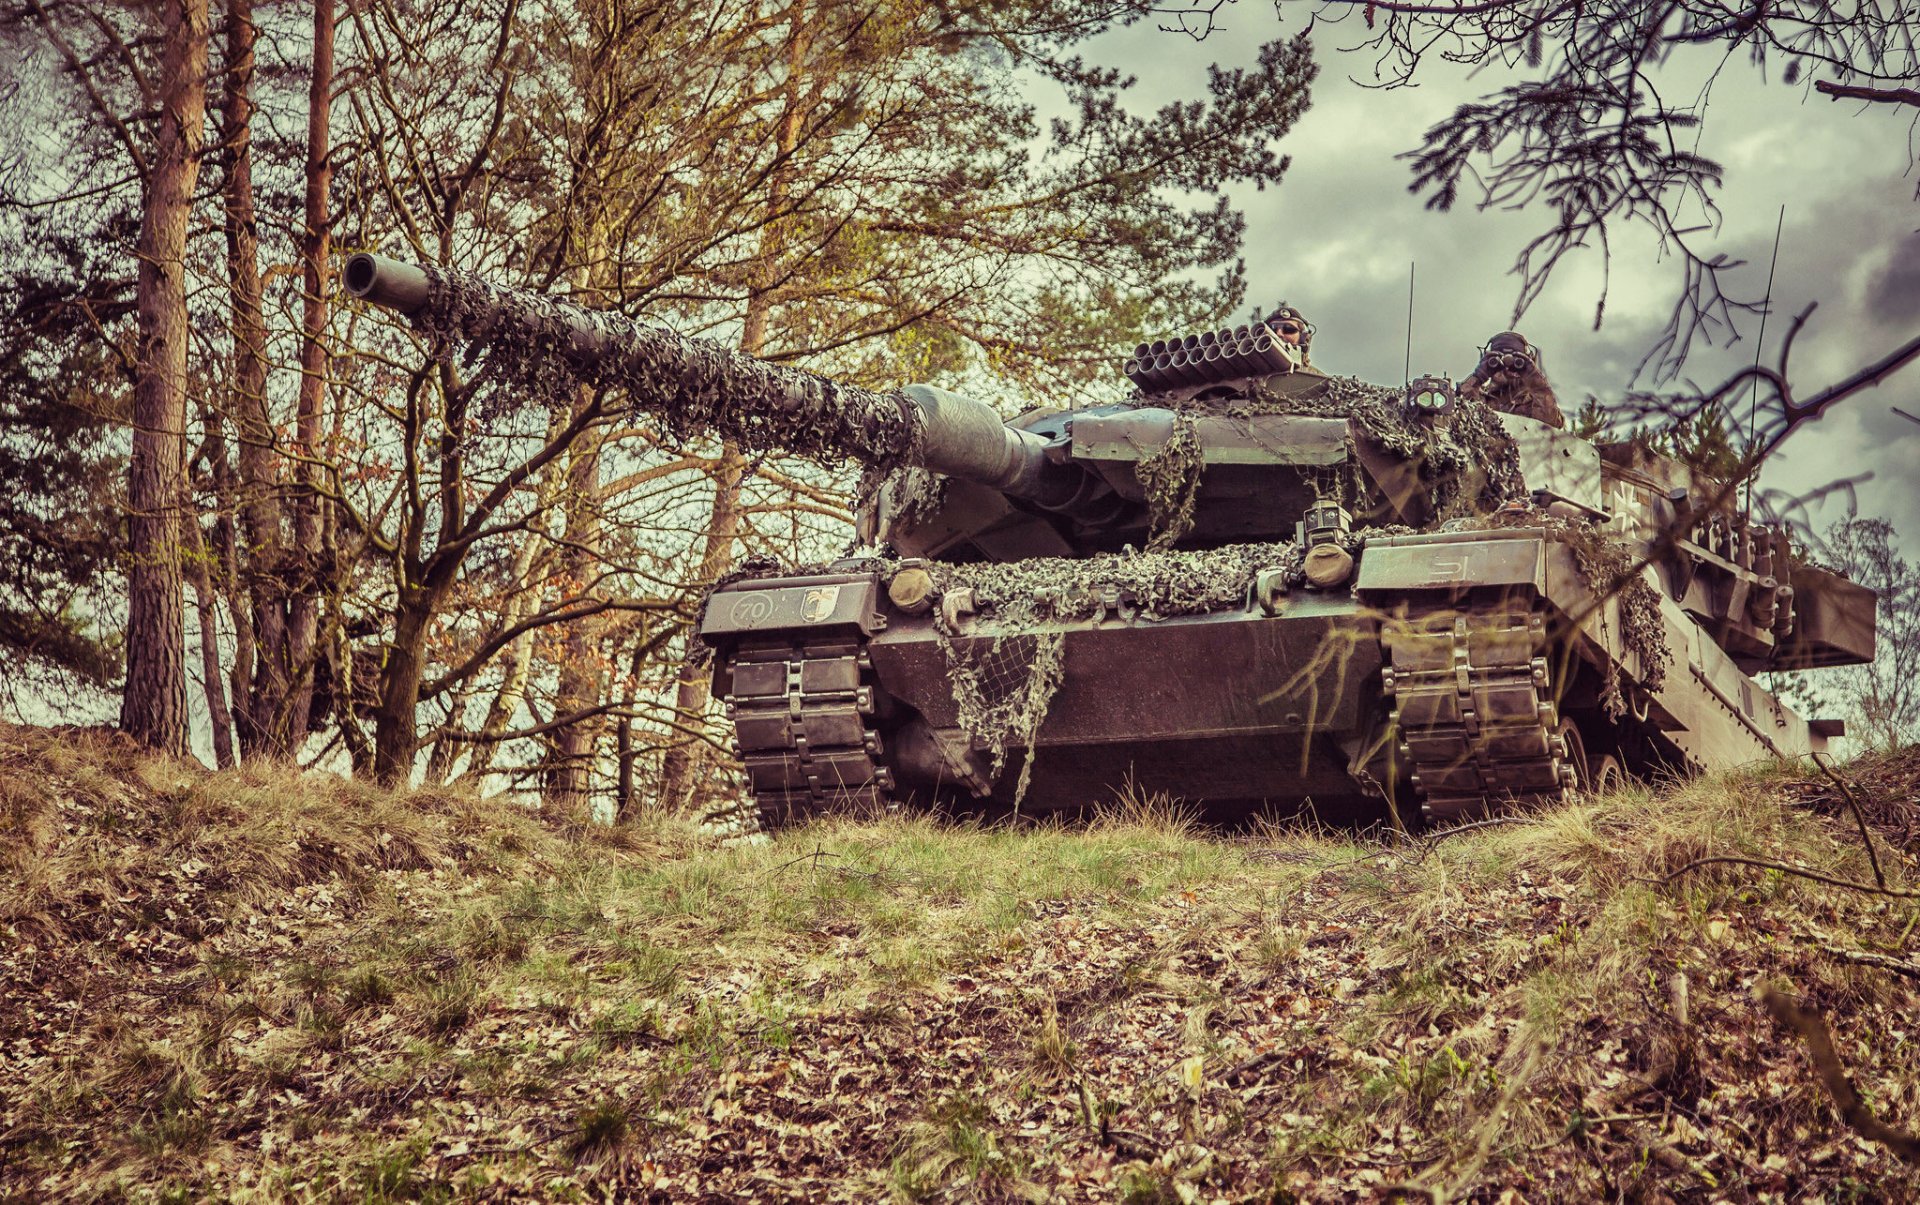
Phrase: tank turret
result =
(1274, 435)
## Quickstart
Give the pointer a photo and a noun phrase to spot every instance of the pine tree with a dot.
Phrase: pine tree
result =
(62, 394)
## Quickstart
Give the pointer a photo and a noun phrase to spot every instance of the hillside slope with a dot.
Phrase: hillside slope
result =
(258, 987)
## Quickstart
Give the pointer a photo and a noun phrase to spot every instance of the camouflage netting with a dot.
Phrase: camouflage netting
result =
(916, 494)
(1156, 584)
(1466, 448)
(1467, 459)
(1171, 478)
(1002, 693)
(529, 345)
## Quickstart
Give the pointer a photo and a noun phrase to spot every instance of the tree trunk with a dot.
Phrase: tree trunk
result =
(568, 781)
(153, 709)
(395, 735)
(644, 646)
(446, 747)
(339, 652)
(195, 545)
(678, 768)
(303, 611)
(516, 660)
(623, 780)
(238, 599)
(515, 663)
(569, 776)
(260, 661)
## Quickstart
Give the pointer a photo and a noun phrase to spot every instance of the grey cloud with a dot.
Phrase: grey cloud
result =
(1893, 293)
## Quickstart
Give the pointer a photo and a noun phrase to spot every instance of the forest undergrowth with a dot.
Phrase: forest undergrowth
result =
(259, 986)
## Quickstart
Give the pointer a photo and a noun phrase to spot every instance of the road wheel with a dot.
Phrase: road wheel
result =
(1608, 774)
(1574, 753)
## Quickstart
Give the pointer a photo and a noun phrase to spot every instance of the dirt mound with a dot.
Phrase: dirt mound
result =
(261, 986)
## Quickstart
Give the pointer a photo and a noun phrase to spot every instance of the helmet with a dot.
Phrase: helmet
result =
(1510, 350)
(1286, 316)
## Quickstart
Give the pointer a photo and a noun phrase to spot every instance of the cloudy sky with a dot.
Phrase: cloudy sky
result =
(1336, 238)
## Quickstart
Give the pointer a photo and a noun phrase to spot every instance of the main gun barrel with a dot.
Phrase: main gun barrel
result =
(698, 387)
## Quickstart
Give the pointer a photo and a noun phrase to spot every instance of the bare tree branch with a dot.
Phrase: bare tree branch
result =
(1892, 96)
(1826, 1063)
(1784, 868)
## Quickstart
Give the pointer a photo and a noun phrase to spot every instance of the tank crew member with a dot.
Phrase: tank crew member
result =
(1290, 326)
(1509, 379)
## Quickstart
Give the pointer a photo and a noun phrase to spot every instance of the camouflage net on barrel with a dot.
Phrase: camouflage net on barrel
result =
(915, 494)
(528, 345)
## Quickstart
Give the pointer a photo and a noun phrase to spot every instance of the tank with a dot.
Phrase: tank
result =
(1246, 584)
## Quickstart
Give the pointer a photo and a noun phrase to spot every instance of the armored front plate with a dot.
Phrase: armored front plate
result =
(1429, 564)
(844, 600)
(1187, 677)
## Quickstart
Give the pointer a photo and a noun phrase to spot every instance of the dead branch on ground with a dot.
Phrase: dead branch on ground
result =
(1784, 868)
(1853, 1111)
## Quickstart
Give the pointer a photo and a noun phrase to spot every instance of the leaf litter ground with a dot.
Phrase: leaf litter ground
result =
(255, 987)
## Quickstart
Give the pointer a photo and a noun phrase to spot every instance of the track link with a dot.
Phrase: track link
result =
(801, 708)
(1473, 706)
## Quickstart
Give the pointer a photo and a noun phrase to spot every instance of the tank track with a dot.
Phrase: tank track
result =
(1472, 701)
(801, 707)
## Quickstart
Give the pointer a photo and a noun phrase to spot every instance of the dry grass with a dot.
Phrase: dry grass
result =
(262, 987)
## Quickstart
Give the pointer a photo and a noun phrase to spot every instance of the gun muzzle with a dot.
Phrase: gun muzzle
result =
(384, 282)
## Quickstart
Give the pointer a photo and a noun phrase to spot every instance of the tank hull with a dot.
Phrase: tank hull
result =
(1237, 708)
(1452, 674)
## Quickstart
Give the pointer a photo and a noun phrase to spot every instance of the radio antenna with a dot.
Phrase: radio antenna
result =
(1408, 369)
(1753, 394)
